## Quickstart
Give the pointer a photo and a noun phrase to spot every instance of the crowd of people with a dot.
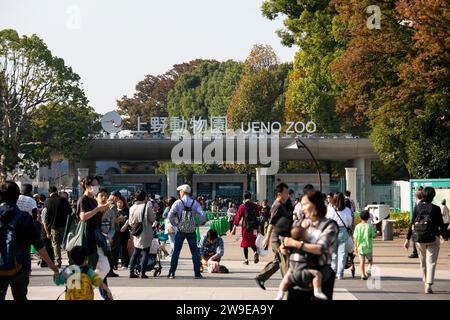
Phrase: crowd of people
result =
(312, 236)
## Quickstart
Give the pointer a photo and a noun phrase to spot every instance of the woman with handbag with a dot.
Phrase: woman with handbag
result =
(140, 221)
(91, 214)
(344, 244)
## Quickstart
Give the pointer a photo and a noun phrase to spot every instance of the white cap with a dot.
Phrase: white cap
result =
(184, 187)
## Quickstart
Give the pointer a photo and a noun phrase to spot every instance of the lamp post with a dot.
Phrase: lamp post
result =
(301, 145)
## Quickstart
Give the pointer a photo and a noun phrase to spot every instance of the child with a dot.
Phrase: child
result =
(163, 238)
(79, 278)
(363, 235)
(300, 265)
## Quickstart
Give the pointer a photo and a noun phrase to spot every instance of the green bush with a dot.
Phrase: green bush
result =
(402, 217)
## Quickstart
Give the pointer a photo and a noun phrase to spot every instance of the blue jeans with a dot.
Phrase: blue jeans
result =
(339, 255)
(144, 260)
(192, 241)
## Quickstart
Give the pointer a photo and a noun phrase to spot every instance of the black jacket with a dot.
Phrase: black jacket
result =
(58, 208)
(435, 217)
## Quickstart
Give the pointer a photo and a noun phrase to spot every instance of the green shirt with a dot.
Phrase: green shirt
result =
(364, 233)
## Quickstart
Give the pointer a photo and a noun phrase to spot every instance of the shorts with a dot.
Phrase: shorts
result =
(366, 255)
(300, 277)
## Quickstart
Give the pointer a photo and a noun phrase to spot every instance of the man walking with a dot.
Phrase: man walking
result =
(279, 226)
(181, 216)
(58, 209)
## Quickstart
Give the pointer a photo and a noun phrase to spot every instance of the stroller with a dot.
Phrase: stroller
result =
(154, 259)
(349, 264)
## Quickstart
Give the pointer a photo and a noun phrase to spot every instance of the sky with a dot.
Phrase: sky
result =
(113, 44)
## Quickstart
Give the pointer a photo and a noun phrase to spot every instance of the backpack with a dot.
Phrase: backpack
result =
(187, 222)
(251, 221)
(10, 253)
(79, 285)
(423, 229)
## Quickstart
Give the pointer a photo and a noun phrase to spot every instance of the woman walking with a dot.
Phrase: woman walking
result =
(324, 232)
(140, 212)
(427, 228)
(246, 212)
(343, 217)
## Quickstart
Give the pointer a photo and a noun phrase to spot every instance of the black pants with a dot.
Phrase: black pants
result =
(19, 286)
(328, 275)
(124, 256)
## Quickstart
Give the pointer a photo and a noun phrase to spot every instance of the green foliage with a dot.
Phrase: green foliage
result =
(150, 98)
(43, 110)
(311, 92)
(206, 91)
(403, 219)
(259, 95)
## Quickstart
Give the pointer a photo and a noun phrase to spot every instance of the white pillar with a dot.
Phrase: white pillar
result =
(364, 174)
(350, 181)
(82, 173)
(261, 184)
(172, 182)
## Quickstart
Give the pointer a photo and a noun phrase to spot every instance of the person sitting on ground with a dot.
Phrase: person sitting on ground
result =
(301, 265)
(363, 235)
(211, 248)
(79, 278)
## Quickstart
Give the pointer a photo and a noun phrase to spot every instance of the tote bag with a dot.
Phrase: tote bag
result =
(79, 238)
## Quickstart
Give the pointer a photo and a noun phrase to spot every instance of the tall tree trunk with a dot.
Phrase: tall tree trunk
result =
(3, 172)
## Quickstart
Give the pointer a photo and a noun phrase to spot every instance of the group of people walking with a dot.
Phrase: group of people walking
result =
(310, 237)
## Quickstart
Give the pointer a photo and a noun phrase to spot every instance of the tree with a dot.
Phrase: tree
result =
(205, 91)
(43, 109)
(259, 95)
(406, 96)
(151, 96)
(312, 92)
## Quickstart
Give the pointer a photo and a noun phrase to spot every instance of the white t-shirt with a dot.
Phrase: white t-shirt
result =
(346, 216)
(298, 210)
(26, 204)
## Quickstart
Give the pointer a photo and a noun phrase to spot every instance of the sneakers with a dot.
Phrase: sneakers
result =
(198, 276)
(260, 283)
(123, 268)
(428, 289)
(246, 262)
(133, 275)
(171, 276)
(256, 259)
(364, 277)
(320, 295)
(144, 276)
(413, 256)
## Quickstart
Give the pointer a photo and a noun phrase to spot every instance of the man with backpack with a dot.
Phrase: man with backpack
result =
(279, 226)
(182, 216)
(17, 232)
(249, 214)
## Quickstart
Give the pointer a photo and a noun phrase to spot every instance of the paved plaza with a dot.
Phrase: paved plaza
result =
(400, 279)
